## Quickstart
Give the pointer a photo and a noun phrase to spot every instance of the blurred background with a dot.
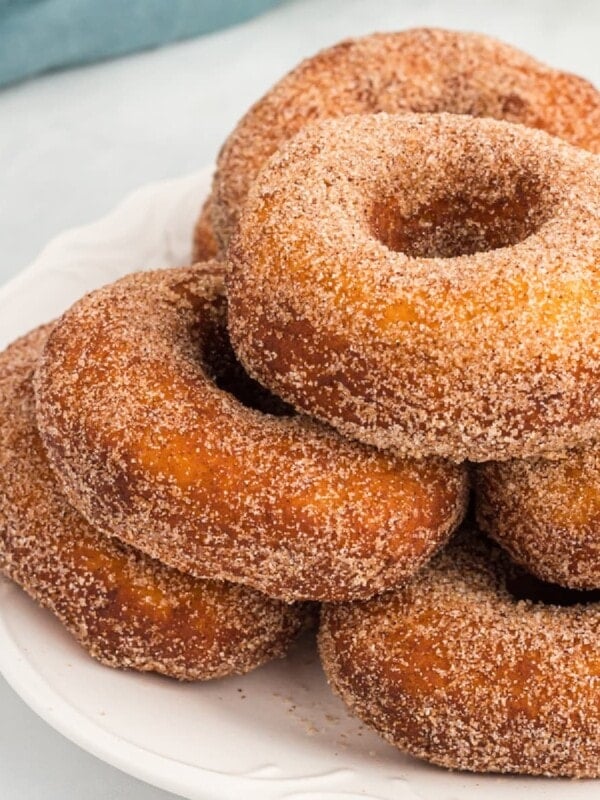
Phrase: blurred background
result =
(98, 97)
(74, 141)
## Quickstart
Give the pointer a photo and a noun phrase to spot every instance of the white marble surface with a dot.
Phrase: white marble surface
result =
(73, 144)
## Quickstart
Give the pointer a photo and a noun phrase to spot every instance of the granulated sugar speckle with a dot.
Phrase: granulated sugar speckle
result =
(149, 448)
(425, 70)
(458, 671)
(427, 284)
(126, 609)
(546, 514)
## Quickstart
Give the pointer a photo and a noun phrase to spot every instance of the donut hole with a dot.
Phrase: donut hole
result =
(523, 586)
(470, 220)
(222, 366)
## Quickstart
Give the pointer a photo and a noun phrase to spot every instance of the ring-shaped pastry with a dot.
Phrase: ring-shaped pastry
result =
(124, 608)
(546, 513)
(426, 283)
(425, 70)
(134, 407)
(474, 666)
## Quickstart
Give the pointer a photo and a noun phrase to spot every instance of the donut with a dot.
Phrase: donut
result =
(204, 246)
(546, 514)
(422, 70)
(474, 666)
(126, 609)
(155, 441)
(426, 284)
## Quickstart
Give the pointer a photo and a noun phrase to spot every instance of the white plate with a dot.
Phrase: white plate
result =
(275, 734)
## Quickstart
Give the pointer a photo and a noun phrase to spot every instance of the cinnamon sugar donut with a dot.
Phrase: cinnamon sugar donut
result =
(152, 450)
(426, 283)
(422, 70)
(474, 666)
(126, 609)
(546, 514)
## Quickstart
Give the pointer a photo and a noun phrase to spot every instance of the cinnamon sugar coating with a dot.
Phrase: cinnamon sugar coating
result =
(150, 449)
(456, 670)
(427, 284)
(126, 609)
(422, 70)
(204, 245)
(546, 514)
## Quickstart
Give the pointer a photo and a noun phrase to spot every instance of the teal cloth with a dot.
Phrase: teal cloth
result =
(39, 35)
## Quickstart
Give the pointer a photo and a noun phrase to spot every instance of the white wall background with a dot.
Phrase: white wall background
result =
(73, 143)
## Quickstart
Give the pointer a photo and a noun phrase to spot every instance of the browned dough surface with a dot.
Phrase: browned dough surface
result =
(427, 284)
(454, 669)
(423, 70)
(150, 449)
(204, 245)
(546, 514)
(124, 608)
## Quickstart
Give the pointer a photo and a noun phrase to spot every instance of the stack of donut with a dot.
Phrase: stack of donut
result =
(398, 290)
